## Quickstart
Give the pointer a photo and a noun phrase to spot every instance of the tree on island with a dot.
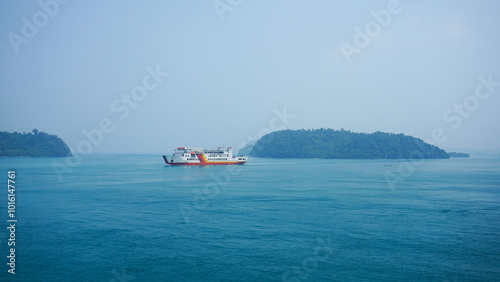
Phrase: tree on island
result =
(458, 155)
(33, 144)
(343, 144)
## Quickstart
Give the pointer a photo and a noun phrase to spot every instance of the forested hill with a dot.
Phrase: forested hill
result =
(343, 144)
(35, 144)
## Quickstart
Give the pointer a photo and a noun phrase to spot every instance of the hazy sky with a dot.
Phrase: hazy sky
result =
(410, 67)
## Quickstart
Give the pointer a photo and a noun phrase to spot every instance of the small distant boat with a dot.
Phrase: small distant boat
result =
(197, 156)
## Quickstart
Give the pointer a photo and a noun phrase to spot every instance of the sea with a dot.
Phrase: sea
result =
(118, 217)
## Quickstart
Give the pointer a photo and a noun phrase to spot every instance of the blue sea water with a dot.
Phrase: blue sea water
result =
(132, 218)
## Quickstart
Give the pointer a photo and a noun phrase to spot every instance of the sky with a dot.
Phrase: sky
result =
(148, 76)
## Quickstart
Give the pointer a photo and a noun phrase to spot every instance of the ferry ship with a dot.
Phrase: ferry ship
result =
(197, 156)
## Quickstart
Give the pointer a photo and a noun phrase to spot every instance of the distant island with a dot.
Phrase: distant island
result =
(34, 144)
(458, 155)
(343, 144)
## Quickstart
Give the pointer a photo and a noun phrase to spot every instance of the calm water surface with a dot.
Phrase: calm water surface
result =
(131, 218)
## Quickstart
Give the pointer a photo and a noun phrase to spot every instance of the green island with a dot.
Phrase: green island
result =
(34, 144)
(458, 155)
(343, 144)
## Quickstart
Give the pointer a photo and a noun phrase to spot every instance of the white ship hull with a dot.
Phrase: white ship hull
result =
(196, 156)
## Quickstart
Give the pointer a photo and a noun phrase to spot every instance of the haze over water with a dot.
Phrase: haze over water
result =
(219, 71)
(123, 82)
